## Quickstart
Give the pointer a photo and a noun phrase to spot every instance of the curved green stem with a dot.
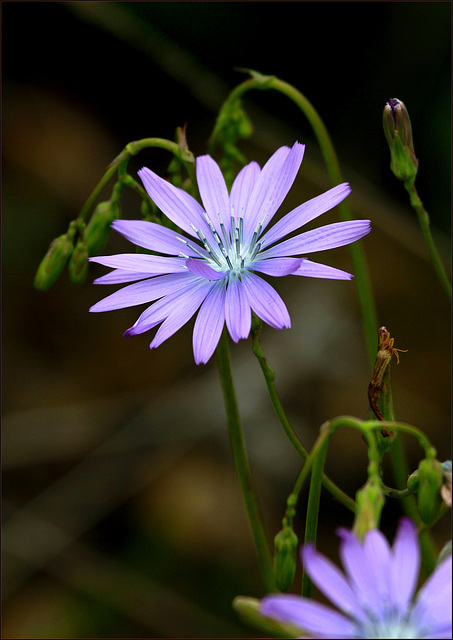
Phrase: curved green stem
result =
(269, 377)
(130, 150)
(423, 218)
(242, 465)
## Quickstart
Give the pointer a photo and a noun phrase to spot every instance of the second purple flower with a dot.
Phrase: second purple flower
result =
(213, 270)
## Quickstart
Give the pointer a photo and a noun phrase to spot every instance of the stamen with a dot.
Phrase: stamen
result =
(255, 251)
(237, 241)
(227, 258)
(224, 233)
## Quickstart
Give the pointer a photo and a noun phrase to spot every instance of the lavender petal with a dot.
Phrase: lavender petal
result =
(209, 324)
(305, 213)
(328, 237)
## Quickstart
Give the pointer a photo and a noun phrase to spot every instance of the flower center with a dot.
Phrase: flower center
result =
(392, 625)
(228, 252)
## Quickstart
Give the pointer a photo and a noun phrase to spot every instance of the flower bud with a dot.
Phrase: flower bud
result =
(78, 264)
(54, 261)
(98, 228)
(428, 498)
(413, 481)
(398, 131)
(445, 491)
(370, 501)
(249, 611)
(285, 549)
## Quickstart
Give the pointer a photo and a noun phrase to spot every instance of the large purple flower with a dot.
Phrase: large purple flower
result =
(376, 597)
(214, 269)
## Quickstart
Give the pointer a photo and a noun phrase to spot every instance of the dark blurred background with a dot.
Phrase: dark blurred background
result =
(121, 511)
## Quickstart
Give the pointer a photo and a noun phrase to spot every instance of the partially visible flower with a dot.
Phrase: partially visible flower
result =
(445, 491)
(375, 598)
(214, 270)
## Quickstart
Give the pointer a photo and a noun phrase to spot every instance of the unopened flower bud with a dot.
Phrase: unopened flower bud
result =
(445, 491)
(78, 264)
(98, 228)
(428, 498)
(370, 501)
(285, 550)
(54, 261)
(398, 131)
(413, 481)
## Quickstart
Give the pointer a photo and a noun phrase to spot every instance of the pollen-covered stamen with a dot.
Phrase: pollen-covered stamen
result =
(207, 246)
(256, 234)
(224, 233)
(255, 251)
(237, 241)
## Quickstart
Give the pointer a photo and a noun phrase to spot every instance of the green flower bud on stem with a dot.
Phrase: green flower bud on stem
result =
(413, 482)
(445, 492)
(98, 228)
(430, 483)
(285, 548)
(249, 611)
(398, 131)
(370, 500)
(78, 264)
(55, 259)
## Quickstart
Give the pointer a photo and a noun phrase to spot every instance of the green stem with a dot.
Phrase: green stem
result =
(130, 150)
(311, 523)
(423, 218)
(269, 377)
(242, 465)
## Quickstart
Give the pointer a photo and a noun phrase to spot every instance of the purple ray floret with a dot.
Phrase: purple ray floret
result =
(374, 598)
(211, 266)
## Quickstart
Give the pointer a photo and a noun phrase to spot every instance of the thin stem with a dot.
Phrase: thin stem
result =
(423, 218)
(269, 377)
(130, 150)
(311, 523)
(242, 465)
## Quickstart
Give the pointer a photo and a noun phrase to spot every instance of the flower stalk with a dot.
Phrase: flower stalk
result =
(242, 465)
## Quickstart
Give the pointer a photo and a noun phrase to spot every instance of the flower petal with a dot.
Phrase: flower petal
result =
(145, 291)
(278, 267)
(152, 236)
(118, 276)
(331, 582)
(237, 310)
(209, 324)
(433, 603)
(242, 188)
(200, 268)
(142, 262)
(265, 301)
(354, 561)
(311, 269)
(175, 203)
(328, 237)
(306, 212)
(272, 186)
(158, 311)
(404, 564)
(213, 191)
(181, 313)
(308, 615)
(377, 559)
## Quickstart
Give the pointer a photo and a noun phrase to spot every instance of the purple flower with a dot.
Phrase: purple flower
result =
(376, 596)
(214, 269)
